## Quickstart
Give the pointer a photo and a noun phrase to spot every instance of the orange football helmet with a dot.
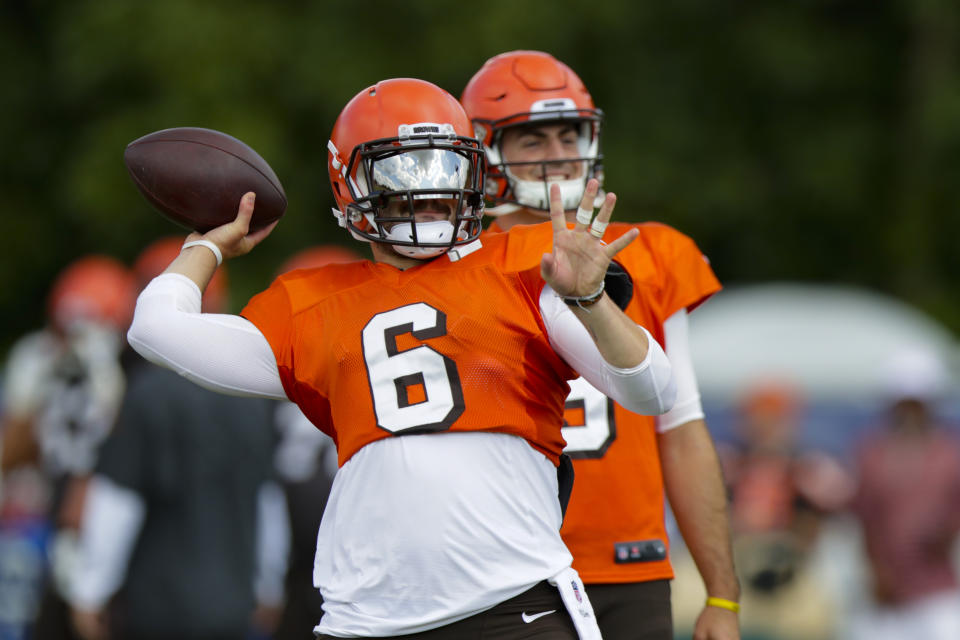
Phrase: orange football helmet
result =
(94, 289)
(158, 255)
(399, 147)
(522, 87)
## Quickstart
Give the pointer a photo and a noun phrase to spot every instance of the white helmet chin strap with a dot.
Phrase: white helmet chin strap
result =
(436, 232)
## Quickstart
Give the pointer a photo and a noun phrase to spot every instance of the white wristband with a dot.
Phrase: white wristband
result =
(209, 245)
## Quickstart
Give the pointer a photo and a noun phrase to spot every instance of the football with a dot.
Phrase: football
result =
(196, 177)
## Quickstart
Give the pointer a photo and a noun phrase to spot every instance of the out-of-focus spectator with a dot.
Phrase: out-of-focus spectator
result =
(908, 504)
(61, 392)
(306, 462)
(24, 535)
(777, 487)
(179, 501)
(63, 382)
(780, 495)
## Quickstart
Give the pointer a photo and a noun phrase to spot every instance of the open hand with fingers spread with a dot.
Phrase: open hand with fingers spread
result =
(578, 263)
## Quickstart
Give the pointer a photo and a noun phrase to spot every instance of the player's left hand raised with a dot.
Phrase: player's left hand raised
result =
(579, 260)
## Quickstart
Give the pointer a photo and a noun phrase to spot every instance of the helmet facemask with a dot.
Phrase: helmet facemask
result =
(504, 187)
(392, 180)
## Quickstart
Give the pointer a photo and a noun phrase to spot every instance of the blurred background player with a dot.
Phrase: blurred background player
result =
(780, 497)
(539, 128)
(62, 389)
(306, 462)
(908, 505)
(179, 504)
(444, 520)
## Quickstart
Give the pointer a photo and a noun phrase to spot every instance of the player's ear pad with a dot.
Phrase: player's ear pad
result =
(618, 284)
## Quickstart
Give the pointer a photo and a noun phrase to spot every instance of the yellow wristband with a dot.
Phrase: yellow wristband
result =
(723, 603)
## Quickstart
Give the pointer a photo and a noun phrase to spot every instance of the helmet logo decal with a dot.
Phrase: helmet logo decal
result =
(553, 108)
(406, 131)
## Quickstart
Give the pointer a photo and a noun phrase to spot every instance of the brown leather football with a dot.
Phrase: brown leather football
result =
(196, 177)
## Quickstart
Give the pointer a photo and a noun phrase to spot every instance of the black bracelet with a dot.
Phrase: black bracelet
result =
(585, 301)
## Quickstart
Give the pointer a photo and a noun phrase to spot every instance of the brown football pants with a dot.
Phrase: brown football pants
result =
(633, 611)
(537, 613)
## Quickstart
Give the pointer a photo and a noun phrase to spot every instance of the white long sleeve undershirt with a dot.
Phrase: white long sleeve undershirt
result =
(647, 388)
(224, 353)
(687, 406)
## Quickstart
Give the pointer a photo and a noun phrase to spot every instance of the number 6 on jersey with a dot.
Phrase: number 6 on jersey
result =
(417, 389)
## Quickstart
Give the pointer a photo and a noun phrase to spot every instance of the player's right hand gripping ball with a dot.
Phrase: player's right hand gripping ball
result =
(196, 177)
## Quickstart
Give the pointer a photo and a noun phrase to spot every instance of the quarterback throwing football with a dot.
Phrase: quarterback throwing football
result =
(439, 369)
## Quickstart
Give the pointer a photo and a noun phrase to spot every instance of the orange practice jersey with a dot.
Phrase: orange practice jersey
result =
(618, 495)
(369, 351)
